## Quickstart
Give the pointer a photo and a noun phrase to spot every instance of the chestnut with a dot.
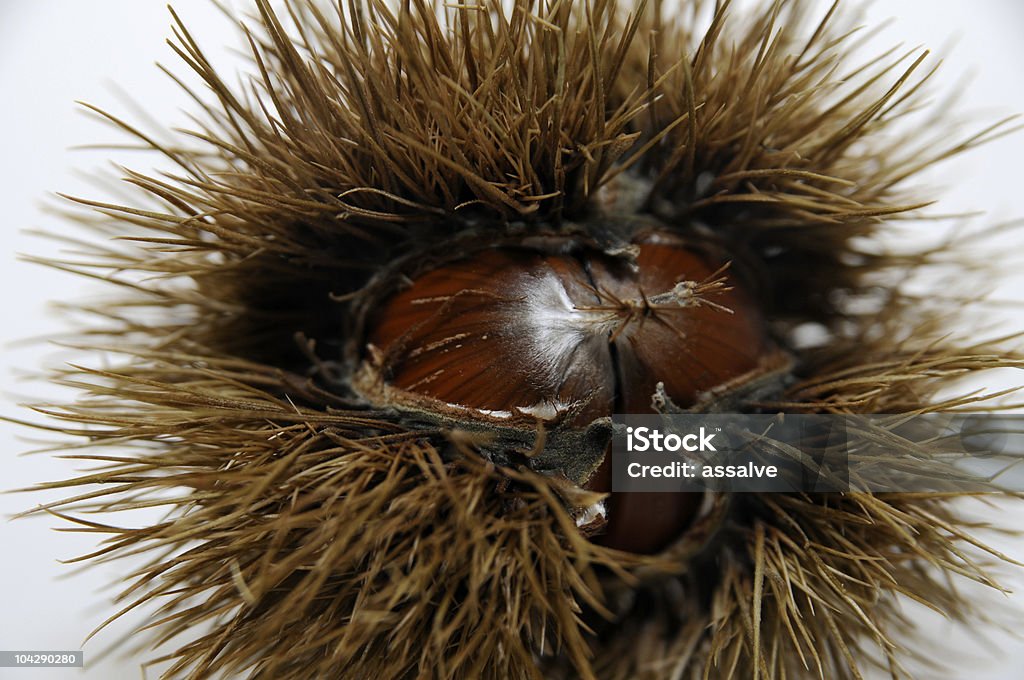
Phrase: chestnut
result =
(571, 333)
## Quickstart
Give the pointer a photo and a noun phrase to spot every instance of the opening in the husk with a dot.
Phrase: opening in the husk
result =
(571, 334)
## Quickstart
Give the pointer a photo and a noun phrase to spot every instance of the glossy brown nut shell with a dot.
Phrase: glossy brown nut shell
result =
(581, 335)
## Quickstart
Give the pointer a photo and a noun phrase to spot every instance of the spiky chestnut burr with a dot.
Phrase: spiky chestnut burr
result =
(329, 516)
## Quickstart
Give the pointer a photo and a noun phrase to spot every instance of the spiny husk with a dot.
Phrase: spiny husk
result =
(320, 536)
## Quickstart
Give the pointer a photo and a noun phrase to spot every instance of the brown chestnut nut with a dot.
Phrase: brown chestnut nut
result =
(576, 333)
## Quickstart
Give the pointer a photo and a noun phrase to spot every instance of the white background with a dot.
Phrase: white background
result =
(53, 52)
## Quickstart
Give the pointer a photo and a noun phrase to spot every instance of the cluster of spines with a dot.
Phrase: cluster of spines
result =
(317, 533)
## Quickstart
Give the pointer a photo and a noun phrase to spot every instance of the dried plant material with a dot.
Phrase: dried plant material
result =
(323, 523)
